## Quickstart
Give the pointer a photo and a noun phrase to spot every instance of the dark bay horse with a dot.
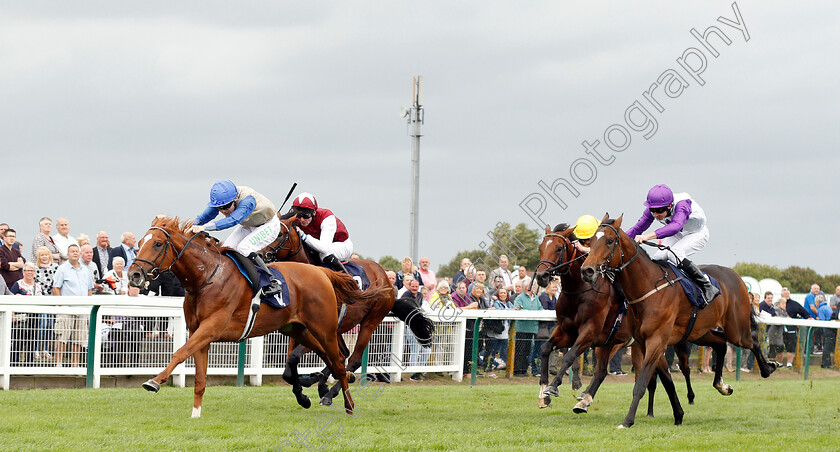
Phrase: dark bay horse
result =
(218, 300)
(368, 314)
(586, 317)
(662, 311)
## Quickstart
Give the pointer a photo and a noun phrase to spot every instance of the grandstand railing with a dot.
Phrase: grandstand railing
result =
(116, 343)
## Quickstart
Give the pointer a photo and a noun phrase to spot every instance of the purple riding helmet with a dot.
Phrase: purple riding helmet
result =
(659, 196)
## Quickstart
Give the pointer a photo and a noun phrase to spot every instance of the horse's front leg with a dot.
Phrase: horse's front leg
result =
(683, 352)
(201, 360)
(602, 356)
(207, 332)
(654, 348)
(544, 398)
(568, 359)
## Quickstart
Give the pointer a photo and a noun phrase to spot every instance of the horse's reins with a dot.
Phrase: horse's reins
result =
(270, 255)
(156, 270)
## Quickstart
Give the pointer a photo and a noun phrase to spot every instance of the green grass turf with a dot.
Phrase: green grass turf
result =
(782, 413)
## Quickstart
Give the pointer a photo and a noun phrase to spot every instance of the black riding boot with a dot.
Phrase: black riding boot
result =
(709, 291)
(332, 262)
(274, 287)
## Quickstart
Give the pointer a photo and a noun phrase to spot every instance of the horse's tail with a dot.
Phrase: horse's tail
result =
(347, 290)
(422, 326)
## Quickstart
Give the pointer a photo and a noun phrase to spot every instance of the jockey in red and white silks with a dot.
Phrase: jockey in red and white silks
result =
(323, 231)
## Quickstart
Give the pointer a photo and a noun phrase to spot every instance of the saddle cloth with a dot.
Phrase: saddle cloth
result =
(278, 301)
(692, 291)
(358, 273)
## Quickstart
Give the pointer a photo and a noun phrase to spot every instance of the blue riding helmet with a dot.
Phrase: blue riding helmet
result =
(223, 192)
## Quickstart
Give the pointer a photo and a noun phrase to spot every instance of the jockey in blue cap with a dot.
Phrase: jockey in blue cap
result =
(253, 218)
(685, 232)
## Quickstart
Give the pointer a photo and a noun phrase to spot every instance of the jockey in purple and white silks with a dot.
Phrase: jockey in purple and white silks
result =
(684, 231)
(253, 218)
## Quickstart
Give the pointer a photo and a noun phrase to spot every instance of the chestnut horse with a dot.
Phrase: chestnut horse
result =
(661, 310)
(586, 317)
(218, 300)
(368, 314)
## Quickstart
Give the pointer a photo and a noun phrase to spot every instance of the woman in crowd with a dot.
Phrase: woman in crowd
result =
(441, 298)
(118, 274)
(788, 332)
(496, 332)
(526, 331)
(407, 269)
(25, 325)
(44, 273)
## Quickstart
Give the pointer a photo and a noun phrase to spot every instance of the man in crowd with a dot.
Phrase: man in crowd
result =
(87, 255)
(125, 250)
(810, 305)
(3, 228)
(521, 273)
(503, 271)
(62, 238)
(71, 279)
(417, 355)
(11, 262)
(824, 312)
(43, 239)
(428, 277)
(102, 252)
(767, 304)
(462, 273)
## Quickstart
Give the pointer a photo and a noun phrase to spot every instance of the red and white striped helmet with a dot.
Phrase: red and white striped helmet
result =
(305, 201)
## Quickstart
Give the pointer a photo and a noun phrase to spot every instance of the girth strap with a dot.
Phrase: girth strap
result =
(691, 321)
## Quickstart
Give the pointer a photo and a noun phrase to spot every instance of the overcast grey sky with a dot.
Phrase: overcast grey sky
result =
(114, 112)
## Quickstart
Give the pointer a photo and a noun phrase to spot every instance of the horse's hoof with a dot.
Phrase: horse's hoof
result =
(552, 391)
(152, 386)
(725, 389)
(351, 378)
(325, 401)
(323, 390)
(621, 426)
(544, 402)
(196, 412)
(304, 401)
(580, 408)
(577, 385)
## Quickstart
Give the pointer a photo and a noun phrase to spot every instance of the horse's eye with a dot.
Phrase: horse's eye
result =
(158, 244)
(610, 241)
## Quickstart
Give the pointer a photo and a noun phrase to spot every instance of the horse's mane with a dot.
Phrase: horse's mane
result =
(561, 227)
(288, 215)
(175, 224)
(609, 221)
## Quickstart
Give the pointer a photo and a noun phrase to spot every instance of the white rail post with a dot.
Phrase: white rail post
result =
(397, 347)
(6, 346)
(257, 349)
(460, 340)
(179, 338)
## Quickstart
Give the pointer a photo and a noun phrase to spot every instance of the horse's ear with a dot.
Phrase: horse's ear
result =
(618, 221)
(547, 229)
(606, 217)
(568, 232)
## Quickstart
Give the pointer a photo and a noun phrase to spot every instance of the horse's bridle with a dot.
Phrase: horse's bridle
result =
(270, 255)
(555, 267)
(611, 272)
(161, 256)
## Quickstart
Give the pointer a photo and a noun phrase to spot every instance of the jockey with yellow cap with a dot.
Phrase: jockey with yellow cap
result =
(320, 229)
(252, 217)
(684, 232)
(584, 230)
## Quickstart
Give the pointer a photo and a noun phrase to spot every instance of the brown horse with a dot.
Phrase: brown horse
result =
(586, 317)
(218, 301)
(662, 311)
(368, 314)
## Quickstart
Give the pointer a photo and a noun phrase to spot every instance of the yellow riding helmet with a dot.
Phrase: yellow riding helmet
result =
(586, 227)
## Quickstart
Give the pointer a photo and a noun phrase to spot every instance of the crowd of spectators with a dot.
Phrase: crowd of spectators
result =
(58, 264)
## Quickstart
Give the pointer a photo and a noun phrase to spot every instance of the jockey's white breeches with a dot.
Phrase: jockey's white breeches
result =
(683, 245)
(250, 239)
(341, 250)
